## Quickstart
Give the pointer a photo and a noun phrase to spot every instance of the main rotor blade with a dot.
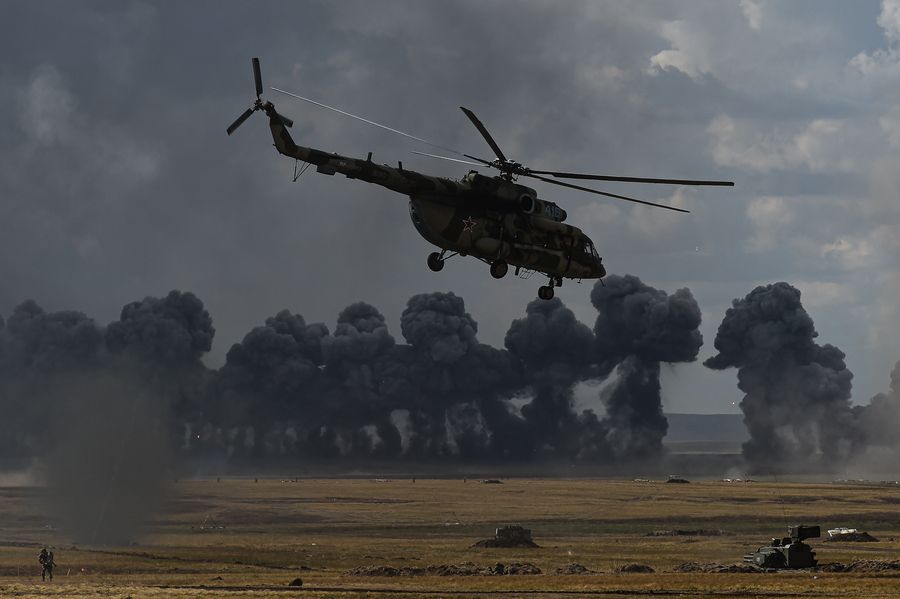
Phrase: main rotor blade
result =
(257, 77)
(446, 158)
(484, 133)
(359, 118)
(238, 121)
(603, 193)
(635, 179)
(482, 160)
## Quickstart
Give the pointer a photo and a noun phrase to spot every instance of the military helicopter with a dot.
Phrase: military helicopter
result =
(494, 219)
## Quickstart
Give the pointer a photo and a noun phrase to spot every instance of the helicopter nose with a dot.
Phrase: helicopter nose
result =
(601, 271)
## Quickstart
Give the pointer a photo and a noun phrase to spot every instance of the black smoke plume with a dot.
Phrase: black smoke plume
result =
(637, 328)
(880, 420)
(556, 351)
(797, 392)
(128, 396)
(269, 378)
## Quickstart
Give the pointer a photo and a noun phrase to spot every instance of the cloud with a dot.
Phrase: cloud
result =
(884, 320)
(889, 19)
(689, 53)
(118, 180)
(771, 217)
(824, 293)
(753, 11)
(46, 108)
(849, 253)
(890, 124)
(885, 60)
(815, 147)
(49, 115)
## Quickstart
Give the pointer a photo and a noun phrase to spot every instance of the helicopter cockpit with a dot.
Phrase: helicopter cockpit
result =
(590, 256)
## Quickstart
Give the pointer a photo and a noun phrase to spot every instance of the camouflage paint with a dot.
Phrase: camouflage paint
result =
(489, 218)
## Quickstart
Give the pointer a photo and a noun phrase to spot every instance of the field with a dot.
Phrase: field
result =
(240, 538)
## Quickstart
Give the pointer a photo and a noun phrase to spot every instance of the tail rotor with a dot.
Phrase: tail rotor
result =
(266, 107)
(239, 121)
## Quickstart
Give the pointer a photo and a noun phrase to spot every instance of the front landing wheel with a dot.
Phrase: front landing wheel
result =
(435, 262)
(545, 292)
(499, 269)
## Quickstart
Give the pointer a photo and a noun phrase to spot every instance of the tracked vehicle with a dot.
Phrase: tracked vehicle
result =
(788, 552)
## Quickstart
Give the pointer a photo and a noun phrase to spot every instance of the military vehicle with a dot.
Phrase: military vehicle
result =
(509, 536)
(494, 219)
(789, 552)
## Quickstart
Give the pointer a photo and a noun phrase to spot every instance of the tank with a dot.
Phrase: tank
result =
(788, 552)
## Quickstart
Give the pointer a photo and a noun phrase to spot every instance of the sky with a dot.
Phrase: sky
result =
(117, 180)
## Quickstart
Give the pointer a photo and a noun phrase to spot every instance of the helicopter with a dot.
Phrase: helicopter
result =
(492, 218)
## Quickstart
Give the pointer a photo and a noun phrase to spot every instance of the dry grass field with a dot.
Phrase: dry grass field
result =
(240, 538)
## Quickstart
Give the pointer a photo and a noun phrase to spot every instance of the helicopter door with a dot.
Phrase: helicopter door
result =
(570, 251)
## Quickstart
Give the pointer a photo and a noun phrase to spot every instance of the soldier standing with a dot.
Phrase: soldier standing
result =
(50, 565)
(43, 558)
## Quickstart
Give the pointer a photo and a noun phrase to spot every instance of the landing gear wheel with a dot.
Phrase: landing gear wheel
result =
(499, 269)
(545, 292)
(435, 262)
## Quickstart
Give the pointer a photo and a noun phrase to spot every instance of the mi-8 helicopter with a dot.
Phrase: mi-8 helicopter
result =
(494, 219)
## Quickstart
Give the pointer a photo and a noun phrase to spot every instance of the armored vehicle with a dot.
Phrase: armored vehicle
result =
(789, 552)
(509, 536)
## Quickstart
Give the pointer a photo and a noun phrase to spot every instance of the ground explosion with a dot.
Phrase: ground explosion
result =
(797, 393)
(109, 408)
(292, 388)
(296, 389)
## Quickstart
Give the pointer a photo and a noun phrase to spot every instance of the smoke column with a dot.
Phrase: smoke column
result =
(556, 351)
(638, 327)
(294, 389)
(270, 376)
(797, 393)
(455, 387)
(880, 420)
(96, 404)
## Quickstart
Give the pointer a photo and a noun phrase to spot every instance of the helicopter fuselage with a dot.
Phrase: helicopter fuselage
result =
(491, 218)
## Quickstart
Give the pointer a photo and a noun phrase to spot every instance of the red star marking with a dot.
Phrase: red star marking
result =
(469, 224)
